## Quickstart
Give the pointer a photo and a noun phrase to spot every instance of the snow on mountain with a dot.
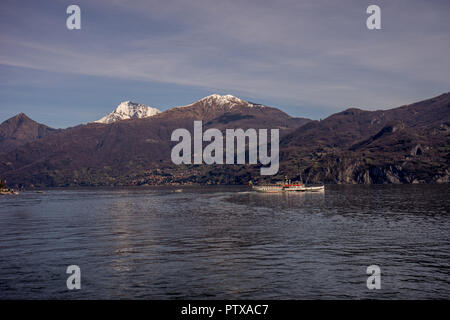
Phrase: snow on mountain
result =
(224, 101)
(129, 110)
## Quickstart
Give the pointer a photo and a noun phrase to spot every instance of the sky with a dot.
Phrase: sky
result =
(307, 58)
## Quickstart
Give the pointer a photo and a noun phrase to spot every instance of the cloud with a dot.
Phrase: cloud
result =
(295, 52)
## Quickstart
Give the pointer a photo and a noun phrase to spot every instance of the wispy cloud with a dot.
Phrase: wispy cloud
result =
(295, 52)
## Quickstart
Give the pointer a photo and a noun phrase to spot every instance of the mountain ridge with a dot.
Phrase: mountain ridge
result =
(121, 148)
(374, 146)
(19, 130)
(408, 144)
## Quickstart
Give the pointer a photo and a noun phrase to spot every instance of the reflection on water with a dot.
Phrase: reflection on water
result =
(280, 200)
(227, 242)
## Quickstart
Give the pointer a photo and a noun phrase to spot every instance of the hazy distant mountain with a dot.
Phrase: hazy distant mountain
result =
(129, 110)
(118, 153)
(20, 130)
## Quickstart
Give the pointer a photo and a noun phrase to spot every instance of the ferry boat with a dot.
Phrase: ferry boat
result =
(287, 186)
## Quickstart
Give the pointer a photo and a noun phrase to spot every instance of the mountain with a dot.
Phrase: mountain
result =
(409, 144)
(135, 151)
(20, 130)
(223, 111)
(129, 110)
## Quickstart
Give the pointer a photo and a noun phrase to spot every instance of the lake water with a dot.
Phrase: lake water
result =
(227, 243)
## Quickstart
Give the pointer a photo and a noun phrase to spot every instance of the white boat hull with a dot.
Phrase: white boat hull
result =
(268, 188)
(288, 188)
(314, 189)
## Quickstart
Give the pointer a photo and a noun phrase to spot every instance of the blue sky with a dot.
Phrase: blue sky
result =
(308, 58)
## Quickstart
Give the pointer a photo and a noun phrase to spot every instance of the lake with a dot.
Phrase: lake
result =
(227, 243)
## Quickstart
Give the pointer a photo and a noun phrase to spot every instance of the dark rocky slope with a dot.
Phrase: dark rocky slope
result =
(20, 130)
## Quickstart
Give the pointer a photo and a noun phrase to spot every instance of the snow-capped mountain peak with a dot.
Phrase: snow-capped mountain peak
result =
(223, 101)
(129, 110)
